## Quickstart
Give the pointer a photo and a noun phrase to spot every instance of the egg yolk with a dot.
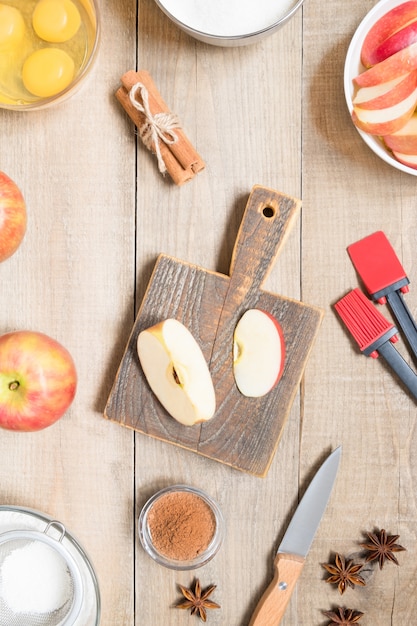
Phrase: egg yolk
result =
(47, 71)
(56, 20)
(12, 26)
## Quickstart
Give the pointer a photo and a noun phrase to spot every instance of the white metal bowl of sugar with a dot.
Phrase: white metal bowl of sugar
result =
(46, 578)
(230, 22)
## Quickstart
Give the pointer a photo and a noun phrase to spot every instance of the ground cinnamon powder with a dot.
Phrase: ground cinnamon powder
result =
(181, 525)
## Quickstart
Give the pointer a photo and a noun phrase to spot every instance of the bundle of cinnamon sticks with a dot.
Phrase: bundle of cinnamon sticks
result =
(158, 127)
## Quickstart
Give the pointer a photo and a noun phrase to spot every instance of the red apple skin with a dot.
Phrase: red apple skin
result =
(403, 61)
(391, 97)
(394, 20)
(404, 141)
(38, 380)
(13, 217)
(399, 40)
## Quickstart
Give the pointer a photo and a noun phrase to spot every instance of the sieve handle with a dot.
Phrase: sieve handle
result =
(59, 526)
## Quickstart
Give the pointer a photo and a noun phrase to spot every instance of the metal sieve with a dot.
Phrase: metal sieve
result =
(56, 577)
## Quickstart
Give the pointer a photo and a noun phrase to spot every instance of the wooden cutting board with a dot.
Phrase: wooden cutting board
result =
(244, 432)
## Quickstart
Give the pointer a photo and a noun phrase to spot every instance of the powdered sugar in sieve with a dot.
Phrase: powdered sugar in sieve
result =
(39, 581)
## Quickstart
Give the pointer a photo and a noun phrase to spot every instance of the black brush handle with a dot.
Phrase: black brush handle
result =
(404, 318)
(399, 366)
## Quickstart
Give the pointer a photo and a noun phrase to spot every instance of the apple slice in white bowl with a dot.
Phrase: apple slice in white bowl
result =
(177, 372)
(354, 67)
(258, 353)
(408, 159)
(386, 94)
(390, 33)
(405, 140)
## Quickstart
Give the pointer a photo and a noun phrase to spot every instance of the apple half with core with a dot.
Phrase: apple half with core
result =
(177, 372)
(38, 380)
(258, 353)
(12, 217)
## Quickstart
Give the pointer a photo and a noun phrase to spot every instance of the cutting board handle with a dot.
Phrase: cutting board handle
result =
(267, 220)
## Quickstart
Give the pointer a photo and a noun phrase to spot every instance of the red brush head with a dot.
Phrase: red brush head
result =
(362, 319)
(376, 262)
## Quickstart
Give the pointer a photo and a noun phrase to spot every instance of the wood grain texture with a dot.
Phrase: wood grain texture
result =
(244, 432)
(100, 213)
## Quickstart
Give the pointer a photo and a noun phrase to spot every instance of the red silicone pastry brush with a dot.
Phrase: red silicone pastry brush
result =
(385, 280)
(374, 334)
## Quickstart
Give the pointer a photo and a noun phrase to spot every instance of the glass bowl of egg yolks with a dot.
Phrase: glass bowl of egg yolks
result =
(47, 48)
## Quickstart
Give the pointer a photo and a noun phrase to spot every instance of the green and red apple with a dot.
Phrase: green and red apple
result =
(12, 217)
(258, 353)
(38, 380)
(177, 372)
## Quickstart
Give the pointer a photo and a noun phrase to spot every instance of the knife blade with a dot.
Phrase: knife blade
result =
(296, 543)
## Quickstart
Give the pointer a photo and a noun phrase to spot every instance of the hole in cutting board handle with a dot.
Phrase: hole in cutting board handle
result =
(268, 211)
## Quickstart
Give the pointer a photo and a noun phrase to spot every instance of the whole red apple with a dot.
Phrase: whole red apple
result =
(12, 217)
(38, 380)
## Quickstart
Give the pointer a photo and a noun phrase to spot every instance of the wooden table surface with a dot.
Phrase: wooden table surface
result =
(274, 114)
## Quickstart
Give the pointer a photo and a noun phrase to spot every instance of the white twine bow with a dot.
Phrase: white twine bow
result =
(156, 127)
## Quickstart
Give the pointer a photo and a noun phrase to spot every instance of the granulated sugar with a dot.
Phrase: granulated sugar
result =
(228, 18)
(35, 579)
(13, 519)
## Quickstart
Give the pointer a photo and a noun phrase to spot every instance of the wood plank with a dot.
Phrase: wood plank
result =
(350, 399)
(73, 278)
(217, 93)
(100, 214)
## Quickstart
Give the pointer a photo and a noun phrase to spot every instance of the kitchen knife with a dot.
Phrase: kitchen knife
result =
(293, 549)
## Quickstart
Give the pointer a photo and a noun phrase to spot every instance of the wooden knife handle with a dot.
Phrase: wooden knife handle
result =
(271, 607)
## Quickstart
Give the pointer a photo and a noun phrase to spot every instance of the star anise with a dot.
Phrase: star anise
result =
(343, 616)
(197, 600)
(344, 573)
(382, 547)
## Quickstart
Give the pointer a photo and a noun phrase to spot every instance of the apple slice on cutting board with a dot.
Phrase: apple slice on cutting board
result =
(177, 372)
(258, 353)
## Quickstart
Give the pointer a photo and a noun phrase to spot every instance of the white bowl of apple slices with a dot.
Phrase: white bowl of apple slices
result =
(380, 82)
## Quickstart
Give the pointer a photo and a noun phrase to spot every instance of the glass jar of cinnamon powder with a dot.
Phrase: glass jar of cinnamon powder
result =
(181, 527)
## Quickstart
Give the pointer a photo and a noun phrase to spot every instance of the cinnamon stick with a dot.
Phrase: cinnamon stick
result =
(181, 159)
(178, 174)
